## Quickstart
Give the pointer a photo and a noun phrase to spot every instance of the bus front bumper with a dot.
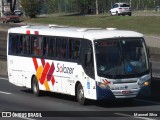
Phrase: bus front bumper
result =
(103, 94)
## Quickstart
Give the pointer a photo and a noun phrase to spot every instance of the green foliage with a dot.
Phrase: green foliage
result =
(57, 6)
(89, 6)
(31, 7)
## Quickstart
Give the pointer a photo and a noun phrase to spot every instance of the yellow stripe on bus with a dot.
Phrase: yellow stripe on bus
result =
(39, 72)
(46, 85)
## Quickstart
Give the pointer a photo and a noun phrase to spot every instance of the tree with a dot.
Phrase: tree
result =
(12, 5)
(97, 12)
(32, 7)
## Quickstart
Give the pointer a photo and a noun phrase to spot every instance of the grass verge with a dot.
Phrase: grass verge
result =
(143, 24)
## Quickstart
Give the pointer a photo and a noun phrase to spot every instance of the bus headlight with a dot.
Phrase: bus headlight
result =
(146, 83)
(103, 86)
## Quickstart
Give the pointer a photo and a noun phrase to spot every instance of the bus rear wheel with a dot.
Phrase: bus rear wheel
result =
(35, 87)
(80, 95)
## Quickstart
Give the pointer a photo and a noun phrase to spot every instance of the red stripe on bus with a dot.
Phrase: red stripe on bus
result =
(44, 73)
(36, 32)
(35, 63)
(53, 80)
(51, 71)
(43, 62)
(28, 32)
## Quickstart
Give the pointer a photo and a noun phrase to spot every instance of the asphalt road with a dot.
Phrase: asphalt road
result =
(13, 98)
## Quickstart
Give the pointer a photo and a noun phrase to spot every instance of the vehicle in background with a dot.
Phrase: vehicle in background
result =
(157, 8)
(10, 17)
(121, 9)
(18, 12)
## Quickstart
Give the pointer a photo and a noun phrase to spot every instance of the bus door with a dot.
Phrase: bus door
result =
(88, 65)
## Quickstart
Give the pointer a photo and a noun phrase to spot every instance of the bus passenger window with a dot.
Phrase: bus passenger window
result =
(61, 48)
(88, 57)
(20, 45)
(26, 45)
(36, 43)
(45, 46)
(74, 49)
(13, 44)
(51, 48)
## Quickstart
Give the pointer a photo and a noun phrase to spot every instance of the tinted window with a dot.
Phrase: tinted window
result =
(124, 5)
(61, 46)
(45, 46)
(36, 45)
(14, 43)
(74, 48)
(115, 6)
(26, 45)
(121, 58)
(49, 46)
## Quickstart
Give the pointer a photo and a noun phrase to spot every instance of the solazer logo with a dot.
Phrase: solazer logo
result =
(64, 69)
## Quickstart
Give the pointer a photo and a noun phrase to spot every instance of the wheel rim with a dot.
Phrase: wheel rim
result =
(35, 87)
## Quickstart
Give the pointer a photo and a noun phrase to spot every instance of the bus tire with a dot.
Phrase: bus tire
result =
(80, 95)
(35, 87)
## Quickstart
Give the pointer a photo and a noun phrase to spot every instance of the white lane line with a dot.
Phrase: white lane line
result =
(7, 93)
(126, 115)
(3, 78)
(148, 101)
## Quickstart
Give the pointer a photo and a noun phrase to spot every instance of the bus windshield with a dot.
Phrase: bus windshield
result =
(121, 58)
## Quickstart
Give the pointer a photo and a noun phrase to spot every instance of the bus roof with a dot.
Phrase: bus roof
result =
(64, 31)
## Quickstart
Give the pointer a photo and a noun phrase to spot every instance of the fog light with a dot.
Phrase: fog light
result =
(146, 83)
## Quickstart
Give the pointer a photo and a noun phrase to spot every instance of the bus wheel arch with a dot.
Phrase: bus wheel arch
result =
(35, 86)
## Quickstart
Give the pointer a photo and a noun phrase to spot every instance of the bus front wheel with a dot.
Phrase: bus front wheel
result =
(80, 95)
(35, 87)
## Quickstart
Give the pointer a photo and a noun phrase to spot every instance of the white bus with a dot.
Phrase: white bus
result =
(89, 63)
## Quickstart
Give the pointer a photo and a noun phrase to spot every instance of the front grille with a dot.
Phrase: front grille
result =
(125, 81)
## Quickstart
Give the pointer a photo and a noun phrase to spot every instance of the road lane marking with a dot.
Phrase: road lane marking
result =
(126, 115)
(7, 93)
(4, 78)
